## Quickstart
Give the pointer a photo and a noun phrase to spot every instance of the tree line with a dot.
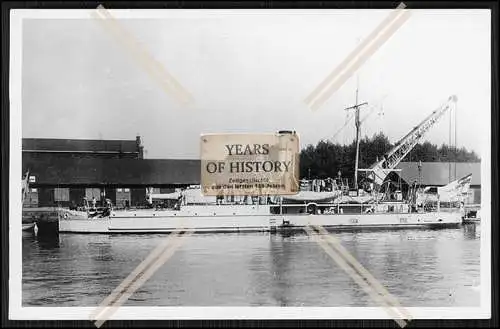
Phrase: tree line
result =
(326, 159)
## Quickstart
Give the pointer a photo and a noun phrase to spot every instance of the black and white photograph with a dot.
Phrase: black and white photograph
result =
(178, 164)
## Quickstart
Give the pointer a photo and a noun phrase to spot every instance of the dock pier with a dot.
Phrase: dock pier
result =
(46, 220)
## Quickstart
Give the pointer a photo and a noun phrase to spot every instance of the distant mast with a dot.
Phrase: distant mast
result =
(358, 135)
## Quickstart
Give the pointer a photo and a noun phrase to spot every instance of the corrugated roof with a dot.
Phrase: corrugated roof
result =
(79, 145)
(93, 171)
(439, 173)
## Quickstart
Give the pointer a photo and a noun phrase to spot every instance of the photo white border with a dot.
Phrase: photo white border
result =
(18, 312)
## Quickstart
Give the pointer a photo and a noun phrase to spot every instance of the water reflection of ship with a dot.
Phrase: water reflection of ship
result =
(282, 252)
(470, 231)
(101, 252)
(45, 242)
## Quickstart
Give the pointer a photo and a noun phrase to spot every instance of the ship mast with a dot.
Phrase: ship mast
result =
(357, 121)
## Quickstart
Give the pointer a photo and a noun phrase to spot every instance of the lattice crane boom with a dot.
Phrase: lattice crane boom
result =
(379, 170)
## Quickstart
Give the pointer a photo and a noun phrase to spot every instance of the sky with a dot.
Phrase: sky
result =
(250, 71)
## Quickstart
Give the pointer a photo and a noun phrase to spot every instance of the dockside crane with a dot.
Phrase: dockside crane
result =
(380, 169)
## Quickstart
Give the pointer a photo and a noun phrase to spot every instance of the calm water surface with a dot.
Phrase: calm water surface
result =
(423, 268)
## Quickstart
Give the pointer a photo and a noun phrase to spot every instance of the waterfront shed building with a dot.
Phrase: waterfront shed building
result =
(63, 172)
(442, 173)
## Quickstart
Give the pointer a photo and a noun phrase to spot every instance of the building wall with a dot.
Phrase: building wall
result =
(61, 196)
(76, 195)
(110, 193)
(137, 196)
(122, 197)
(165, 190)
(31, 199)
(46, 197)
(65, 171)
(474, 195)
(93, 192)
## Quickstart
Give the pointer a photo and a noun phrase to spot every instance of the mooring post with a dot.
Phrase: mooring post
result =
(48, 222)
